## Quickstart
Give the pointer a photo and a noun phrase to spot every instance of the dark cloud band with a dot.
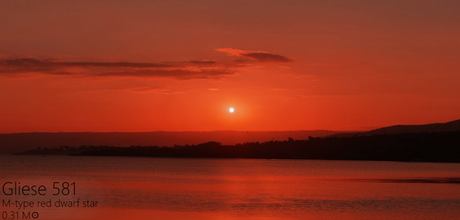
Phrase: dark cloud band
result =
(183, 70)
(186, 70)
(260, 56)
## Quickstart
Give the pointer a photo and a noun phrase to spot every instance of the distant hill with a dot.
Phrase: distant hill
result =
(436, 127)
(409, 147)
(400, 129)
(19, 142)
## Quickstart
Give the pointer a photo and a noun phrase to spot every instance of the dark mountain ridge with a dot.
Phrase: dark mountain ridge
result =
(401, 129)
(409, 147)
(19, 142)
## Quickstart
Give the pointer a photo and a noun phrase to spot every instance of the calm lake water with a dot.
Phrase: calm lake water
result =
(160, 188)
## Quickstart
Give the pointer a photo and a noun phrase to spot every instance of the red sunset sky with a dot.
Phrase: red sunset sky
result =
(141, 65)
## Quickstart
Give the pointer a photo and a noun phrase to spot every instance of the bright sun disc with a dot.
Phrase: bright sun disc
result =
(231, 110)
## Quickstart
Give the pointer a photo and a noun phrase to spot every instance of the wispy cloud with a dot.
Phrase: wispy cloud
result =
(197, 69)
(180, 74)
(260, 56)
(185, 70)
(203, 62)
(32, 62)
(149, 89)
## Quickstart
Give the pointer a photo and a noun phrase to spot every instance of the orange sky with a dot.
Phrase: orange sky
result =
(179, 65)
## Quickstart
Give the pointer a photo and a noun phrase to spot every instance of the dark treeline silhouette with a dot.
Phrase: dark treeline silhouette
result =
(429, 147)
(20, 142)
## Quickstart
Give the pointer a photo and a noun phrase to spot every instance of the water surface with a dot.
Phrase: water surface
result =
(165, 188)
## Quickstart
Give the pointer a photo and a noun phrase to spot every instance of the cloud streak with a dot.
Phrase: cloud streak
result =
(175, 73)
(186, 70)
(260, 56)
(32, 62)
(198, 69)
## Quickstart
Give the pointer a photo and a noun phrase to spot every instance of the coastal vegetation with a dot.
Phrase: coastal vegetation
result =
(424, 146)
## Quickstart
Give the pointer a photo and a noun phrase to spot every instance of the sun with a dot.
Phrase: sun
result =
(231, 110)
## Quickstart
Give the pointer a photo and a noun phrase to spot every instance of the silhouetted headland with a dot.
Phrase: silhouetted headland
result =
(20, 142)
(399, 129)
(417, 147)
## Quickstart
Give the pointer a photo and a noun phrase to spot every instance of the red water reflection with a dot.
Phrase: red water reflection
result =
(133, 188)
